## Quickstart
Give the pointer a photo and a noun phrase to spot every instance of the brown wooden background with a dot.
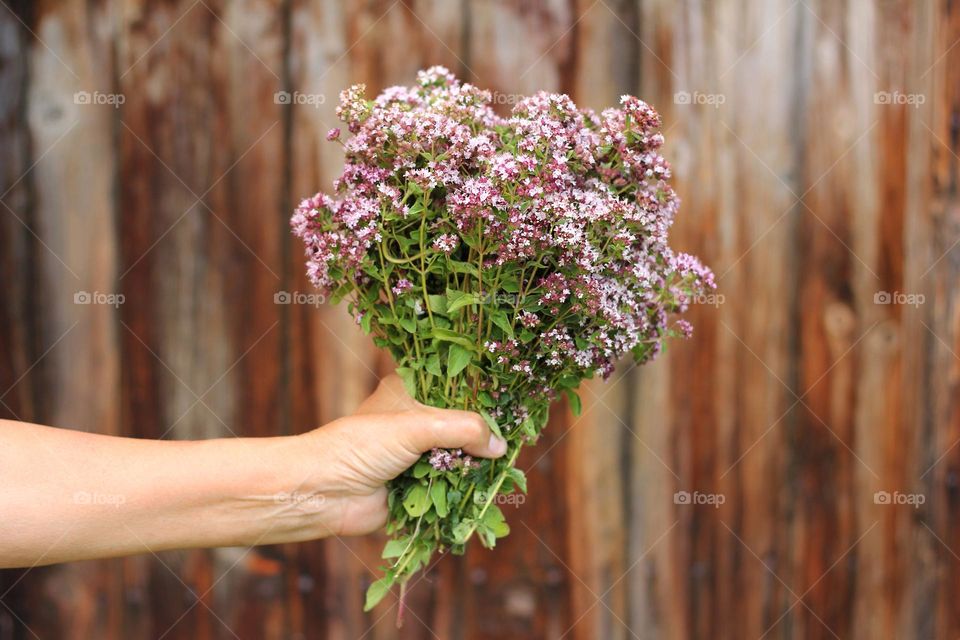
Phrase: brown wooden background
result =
(797, 399)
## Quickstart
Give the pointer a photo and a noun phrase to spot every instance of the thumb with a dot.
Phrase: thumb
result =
(428, 427)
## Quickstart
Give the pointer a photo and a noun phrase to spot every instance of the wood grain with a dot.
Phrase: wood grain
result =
(799, 398)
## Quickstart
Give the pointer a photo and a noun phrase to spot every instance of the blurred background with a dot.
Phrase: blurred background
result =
(790, 472)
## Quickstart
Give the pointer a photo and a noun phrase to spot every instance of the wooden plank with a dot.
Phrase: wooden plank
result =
(880, 210)
(709, 415)
(250, 224)
(204, 142)
(823, 444)
(175, 145)
(18, 243)
(933, 581)
(71, 210)
(18, 344)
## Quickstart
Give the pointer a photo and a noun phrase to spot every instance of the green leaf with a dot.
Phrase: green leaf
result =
(499, 318)
(394, 548)
(462, 531)
(417, 501)
(376, 592)
(491, 423)
(365, 322)
(464, 267)
(438, 303)
(457, 360)
(576, 406)
(510, 285)
(409, 377)
(518, 477)
(410, 324)
(486, 399)
(462, 301)
(494, 519)
(528, 427)
(487, 536)
(447, 335)
(453, 295)
(438, 494)
(568, 382)
(433, 365)
(421, 469)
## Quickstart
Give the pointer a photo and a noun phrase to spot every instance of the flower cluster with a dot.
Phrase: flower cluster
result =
(501, 260)
(449, 459)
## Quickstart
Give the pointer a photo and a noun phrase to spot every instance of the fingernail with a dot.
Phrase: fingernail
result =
(497, 446)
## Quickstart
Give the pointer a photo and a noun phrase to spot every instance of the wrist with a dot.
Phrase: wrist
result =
(281, 493)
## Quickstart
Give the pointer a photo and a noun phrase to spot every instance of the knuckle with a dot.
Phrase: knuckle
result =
(432, 421)
(477, 427)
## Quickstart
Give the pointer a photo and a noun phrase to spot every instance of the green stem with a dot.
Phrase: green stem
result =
(398, 567)
(493, 491)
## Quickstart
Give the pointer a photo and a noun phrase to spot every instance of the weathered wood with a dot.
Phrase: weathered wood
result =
(798, 398)
(65, 198)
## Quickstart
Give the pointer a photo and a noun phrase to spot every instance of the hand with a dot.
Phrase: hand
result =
(386, 435)
(148, 495)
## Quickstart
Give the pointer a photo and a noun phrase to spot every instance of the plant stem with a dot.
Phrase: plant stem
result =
(494, 490)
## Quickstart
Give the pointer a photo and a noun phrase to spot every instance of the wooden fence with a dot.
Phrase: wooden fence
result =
(815, 147)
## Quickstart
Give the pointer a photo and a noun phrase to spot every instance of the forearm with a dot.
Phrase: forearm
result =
(67, 495)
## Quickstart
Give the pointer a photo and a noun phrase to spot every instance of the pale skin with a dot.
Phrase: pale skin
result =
(67, 495)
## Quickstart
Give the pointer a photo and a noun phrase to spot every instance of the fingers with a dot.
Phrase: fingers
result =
(424, 428)
(450, 429)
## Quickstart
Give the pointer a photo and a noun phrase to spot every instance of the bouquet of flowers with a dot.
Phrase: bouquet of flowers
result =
(501, 261)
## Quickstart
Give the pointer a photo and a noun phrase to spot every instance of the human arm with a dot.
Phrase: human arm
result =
(67, 495)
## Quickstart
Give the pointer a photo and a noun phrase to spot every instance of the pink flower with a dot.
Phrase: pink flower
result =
(402, 285)
(446, 243)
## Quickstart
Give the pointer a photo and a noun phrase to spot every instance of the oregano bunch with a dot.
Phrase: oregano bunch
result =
(501, 261)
